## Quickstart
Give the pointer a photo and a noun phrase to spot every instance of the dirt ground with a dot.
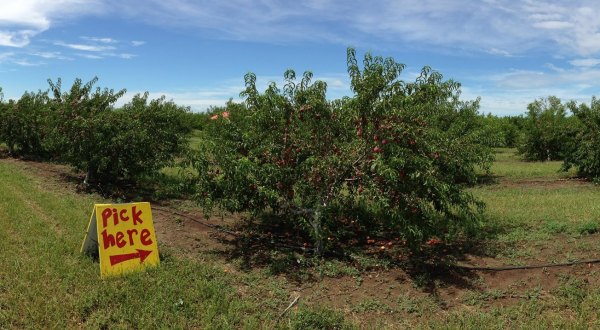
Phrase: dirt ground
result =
(183, 228)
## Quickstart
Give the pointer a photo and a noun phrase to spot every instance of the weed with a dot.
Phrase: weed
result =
(306, 319)
(371, 305)
(555, 227)
(365, 262)
(572, 291)
(421, 280)
(336, 268)
(590, 227)
(416, 305)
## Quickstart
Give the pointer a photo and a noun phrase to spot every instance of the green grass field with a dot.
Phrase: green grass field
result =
(535, 214)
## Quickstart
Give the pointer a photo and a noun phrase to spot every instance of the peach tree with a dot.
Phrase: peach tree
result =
(549, 131)
(392, 160)
(23, 124)
(584, 151)
(112, 144)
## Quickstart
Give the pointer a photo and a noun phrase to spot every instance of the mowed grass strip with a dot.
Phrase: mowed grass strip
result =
(46, 283)
(510, 166)
(534, 201)
(538, 211)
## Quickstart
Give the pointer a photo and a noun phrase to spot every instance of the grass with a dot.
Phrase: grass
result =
(47, 283)
(532, 201)
(538, 209)
(172, 180)
(509, 165)
(535, 215)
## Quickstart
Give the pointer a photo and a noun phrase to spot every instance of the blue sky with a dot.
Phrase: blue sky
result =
(508, 52)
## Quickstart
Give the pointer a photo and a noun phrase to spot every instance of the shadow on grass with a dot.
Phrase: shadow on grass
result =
(270, 245)
(4, 153)
(487, 179)
(285, 251)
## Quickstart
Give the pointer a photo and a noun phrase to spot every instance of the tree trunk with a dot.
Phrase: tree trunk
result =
(89, 176)
(315, 222)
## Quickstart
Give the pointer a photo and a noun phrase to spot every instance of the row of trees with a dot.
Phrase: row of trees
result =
(392, 160)
(564, 131)
(552, 130)
(83, 128)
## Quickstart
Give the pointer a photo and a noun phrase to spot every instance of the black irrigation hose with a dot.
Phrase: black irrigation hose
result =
(216, 227)
(501, 268)
(302, 248)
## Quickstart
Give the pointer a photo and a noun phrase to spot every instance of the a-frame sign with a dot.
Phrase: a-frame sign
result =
(123, 237)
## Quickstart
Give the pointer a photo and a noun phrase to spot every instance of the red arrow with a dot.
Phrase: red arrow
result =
(142, 254)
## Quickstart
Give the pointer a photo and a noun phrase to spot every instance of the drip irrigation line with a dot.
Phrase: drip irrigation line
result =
(338, 254)
(189, 217)
(501, 268)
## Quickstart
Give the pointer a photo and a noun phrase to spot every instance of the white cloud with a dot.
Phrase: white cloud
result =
(500, 27)
(514, 102)
(126, 56)
(90, 56)
(545, 17)
(509, 93)
(16, 38)
(496, 51)
(101, 40)
(5, 56)
(531, 79)
(27, 63)
(98, 48)
(21, 20)
(51, 55)
(498, 102)
(585, 62)
(87, 48)
(553, 67)
(103, 55)
(553, 25)
(24, 13)
(200, 99)
(15, 58)
(137, 43)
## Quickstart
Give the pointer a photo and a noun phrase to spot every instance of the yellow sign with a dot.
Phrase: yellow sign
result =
(123, 236)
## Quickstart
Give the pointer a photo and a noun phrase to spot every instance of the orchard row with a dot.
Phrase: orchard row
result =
(81, 127)
(393, 160)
